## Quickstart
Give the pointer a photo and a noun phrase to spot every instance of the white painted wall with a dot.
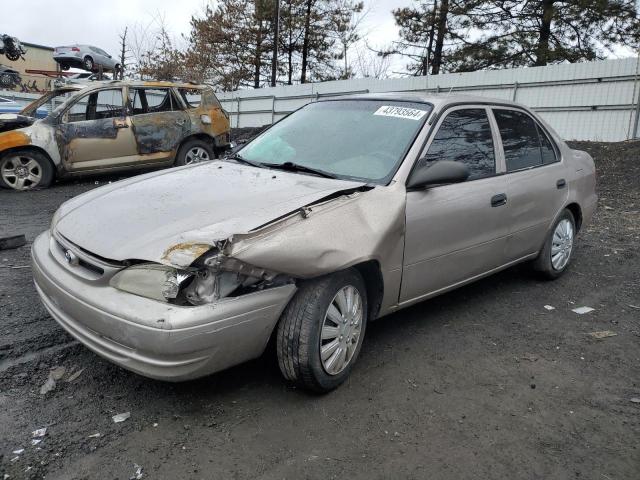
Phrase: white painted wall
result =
(582, 101)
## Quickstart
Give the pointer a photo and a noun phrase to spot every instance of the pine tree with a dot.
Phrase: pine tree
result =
(536, 33)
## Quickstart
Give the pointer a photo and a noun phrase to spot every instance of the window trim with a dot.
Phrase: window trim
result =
(435, 127)
(61, 115)
(554, 146)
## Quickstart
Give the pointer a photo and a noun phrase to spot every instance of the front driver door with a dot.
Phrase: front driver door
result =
(456, 232)
(94, 132)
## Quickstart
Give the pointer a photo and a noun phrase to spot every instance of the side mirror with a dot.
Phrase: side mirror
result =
(438, 173)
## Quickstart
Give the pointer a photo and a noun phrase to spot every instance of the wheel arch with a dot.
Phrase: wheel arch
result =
(374, 282)
(576, 211)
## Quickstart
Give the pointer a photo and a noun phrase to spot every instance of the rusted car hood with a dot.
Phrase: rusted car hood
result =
(152, 216)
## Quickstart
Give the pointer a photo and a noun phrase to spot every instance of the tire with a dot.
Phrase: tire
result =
(299, 342)
(194, 151)
(64, 67)
(26, 170)
(87, 63)
(564, 231)
(6, 80)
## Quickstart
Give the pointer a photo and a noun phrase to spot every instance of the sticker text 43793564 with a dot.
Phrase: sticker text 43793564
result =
(400, 112)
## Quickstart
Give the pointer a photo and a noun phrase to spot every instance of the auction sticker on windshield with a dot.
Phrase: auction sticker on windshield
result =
(400, 112)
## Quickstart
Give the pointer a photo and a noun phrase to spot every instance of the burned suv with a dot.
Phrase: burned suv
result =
(110, 126)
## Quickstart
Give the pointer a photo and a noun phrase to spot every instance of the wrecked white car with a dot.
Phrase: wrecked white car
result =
(343, 212)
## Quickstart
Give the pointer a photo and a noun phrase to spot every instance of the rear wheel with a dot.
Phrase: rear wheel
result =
(194, 151)
(557, 251)
(321, 331)
(88, 64)
(25, 170)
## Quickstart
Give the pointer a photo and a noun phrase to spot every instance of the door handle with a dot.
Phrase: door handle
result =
(499, 199)
(561, 183)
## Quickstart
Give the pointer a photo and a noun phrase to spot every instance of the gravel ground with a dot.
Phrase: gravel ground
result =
(482, 382)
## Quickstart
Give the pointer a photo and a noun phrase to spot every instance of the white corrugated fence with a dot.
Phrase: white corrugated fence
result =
(583, 101)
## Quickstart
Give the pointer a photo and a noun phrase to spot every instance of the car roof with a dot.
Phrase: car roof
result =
(438, 100)
(136, 83)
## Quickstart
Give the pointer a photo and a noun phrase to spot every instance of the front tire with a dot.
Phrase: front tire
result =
(320, 332)
(557, 251)
(194, 151)
(26, 170)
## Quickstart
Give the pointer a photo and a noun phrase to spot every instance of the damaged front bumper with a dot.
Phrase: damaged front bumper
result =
(152, 338)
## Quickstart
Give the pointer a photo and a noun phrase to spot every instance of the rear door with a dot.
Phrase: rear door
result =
(159, 122)
(536, 184)
(456, 232)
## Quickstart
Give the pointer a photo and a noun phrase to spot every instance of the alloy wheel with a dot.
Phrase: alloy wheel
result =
(561, 244)
(341, 330)
(196, 155)
(21, 172)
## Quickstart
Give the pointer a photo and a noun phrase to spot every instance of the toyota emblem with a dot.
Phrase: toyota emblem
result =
(71, 257)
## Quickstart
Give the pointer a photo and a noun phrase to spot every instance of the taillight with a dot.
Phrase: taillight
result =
(75, 49)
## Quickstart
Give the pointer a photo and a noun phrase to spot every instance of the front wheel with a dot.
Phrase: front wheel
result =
(26, 170)
(321, 331)
(556, 253)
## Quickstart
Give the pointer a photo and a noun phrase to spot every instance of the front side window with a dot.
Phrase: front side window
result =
(464, 136)
(96, 105)
(353, 139)
(525, 144)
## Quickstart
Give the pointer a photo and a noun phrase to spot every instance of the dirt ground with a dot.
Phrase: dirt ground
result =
(483, 382)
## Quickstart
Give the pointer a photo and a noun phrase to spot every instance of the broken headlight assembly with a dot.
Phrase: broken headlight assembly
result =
(151, 280)
(210, 280)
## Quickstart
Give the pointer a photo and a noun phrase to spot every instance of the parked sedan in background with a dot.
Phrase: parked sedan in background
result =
(86, 57)
(112, 126)
(343, 212)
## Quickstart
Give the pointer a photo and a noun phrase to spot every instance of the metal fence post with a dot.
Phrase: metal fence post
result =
(273, 108)
(515, 91)
(238, 113)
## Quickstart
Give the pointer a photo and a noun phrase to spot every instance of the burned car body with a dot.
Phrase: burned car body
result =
(111, 126)
(421, 195)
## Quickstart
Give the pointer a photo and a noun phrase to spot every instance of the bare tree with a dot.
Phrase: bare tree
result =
(124, 49)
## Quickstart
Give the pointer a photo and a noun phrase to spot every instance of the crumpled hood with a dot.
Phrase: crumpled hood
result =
(150, 216)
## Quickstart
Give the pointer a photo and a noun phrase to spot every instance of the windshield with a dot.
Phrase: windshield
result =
(353, 139)
(57, 97)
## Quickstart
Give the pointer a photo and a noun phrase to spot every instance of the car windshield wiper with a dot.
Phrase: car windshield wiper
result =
(239, 158)
(296, 167)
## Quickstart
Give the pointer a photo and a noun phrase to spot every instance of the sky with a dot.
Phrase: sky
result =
(99, 22)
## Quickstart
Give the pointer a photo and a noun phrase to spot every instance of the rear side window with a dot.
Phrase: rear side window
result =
(151, 100)
(546, 148)
(525, 144)
(465, 136)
